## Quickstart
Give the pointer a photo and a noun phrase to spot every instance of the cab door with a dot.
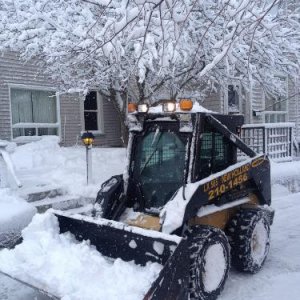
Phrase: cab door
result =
(215, 153)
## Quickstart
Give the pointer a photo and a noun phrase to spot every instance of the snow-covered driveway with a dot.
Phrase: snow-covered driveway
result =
(278, 280)
(280, 277)
(12, 290)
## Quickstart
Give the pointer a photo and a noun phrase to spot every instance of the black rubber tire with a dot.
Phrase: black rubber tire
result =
(200, 239)
(249, 237)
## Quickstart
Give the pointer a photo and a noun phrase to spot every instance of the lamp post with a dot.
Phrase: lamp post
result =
(88, 139)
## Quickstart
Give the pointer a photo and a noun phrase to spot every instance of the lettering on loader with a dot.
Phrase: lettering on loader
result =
(224, 183)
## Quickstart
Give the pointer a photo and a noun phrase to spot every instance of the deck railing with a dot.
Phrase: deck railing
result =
(274, 139)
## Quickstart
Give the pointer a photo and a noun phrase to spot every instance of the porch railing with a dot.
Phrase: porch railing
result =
(275, 139)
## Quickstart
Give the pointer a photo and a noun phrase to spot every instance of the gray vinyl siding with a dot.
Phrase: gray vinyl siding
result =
(293, 103)
(258, 101)
(72, 123)
(72, 127)
(13, 71)
(70, 119)
(5, 132)
(112, 129)
(214, 102)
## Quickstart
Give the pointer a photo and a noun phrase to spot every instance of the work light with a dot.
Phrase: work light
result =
(143, 108)
(169, 106)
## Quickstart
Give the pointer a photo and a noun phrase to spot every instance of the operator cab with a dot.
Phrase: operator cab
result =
(170, 149)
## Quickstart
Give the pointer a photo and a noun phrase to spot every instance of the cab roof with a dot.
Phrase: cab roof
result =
(197, 108)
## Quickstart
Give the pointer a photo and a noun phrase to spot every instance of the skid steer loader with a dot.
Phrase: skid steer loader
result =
(184, 201)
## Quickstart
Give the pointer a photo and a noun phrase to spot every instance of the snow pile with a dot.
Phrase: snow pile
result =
(38, 153)
(7, 171)
(282, 172)
(45, 161)
(7, 146)
(73, 270)
(15, 214)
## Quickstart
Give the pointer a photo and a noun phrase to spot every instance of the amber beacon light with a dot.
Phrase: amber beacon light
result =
(186, 104)
(131, 108)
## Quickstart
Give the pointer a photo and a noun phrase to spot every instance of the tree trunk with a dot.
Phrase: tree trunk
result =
(121, 116)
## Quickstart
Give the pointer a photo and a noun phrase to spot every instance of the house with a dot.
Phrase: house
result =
(256, 105)
(30, 107)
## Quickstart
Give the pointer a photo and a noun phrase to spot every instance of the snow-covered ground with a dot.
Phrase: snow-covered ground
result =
(279, 279)
(13, 290)
(44, 161)
(45, 164)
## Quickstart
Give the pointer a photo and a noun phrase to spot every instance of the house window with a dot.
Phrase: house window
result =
(276, 108)
(92, 112)
(233, 99)
(34, 113)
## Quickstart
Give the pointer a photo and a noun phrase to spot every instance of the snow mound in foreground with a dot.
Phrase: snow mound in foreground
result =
(71, 269)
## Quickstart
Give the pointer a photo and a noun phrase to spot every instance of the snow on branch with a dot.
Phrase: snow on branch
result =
(145, 49)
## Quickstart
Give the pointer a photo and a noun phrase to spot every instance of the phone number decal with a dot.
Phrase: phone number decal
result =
(226, 182)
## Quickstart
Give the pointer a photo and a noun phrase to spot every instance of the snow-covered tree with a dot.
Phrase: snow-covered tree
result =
(149, 49)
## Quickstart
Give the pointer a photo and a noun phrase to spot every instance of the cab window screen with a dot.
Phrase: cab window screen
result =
(214, 154)
(205, 159)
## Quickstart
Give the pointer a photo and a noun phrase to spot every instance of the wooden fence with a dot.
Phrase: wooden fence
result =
(275, 139)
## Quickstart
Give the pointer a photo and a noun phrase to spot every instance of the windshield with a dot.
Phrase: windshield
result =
(159, 166)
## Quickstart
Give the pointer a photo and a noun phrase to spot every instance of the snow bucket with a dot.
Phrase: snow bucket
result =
(60, 252)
